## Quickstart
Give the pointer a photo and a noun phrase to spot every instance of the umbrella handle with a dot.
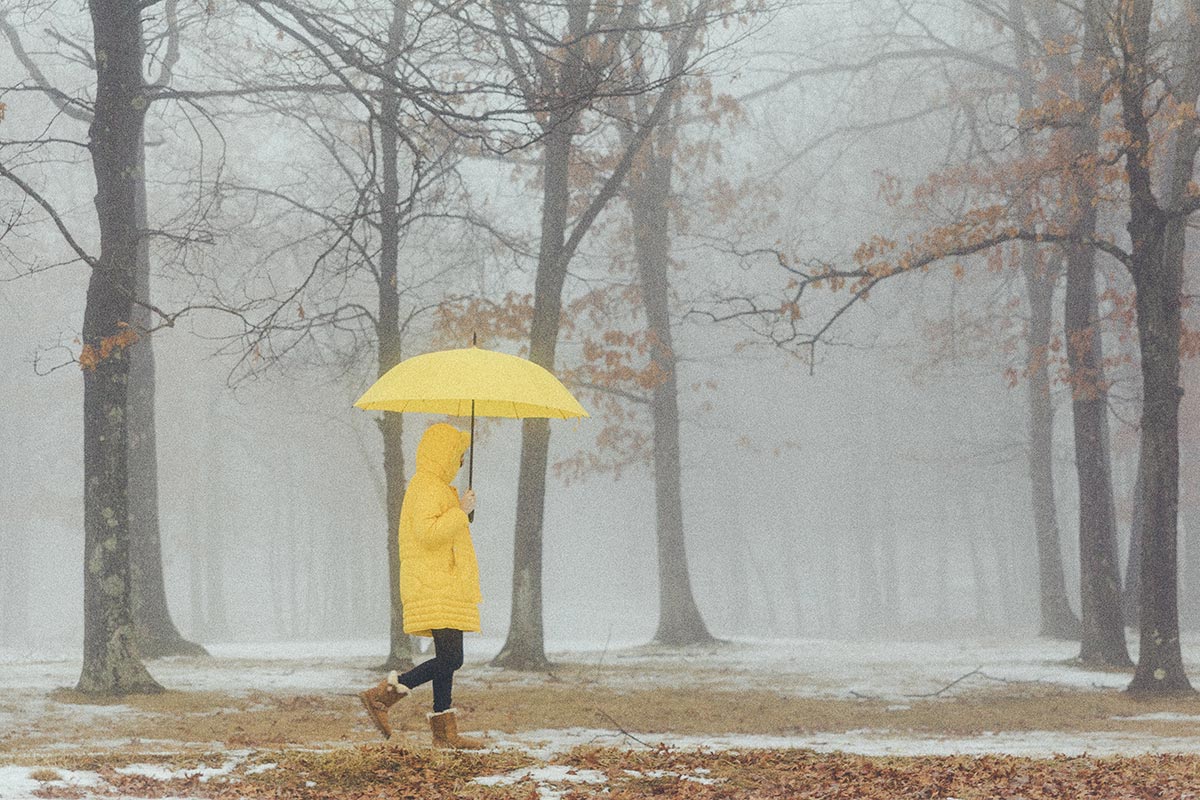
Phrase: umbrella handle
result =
(471, 460)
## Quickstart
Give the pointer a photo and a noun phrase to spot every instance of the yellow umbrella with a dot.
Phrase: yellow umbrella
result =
(471, 381)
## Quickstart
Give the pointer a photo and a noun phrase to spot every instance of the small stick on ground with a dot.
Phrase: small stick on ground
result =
(976, 671)
(604, 652)
(609, 717)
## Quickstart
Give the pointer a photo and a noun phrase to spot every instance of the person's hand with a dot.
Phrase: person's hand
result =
(467, 501)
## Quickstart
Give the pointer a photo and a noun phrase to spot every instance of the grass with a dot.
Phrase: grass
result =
(45, 774)
(260, 719)
(321, 745)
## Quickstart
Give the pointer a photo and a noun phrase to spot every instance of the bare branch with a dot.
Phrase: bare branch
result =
(71, 106)
(49, 209)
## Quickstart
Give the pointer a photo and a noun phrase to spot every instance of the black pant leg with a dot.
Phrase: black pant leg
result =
(448, 647)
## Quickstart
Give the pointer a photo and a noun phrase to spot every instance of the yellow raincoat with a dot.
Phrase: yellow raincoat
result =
(439, 575)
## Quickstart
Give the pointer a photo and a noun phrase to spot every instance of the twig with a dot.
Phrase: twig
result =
(1010, 680)
(609, 717)
(976, 671)
(33, 194)
(604, 652)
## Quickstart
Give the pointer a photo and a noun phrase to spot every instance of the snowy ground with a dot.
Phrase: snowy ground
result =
(900, 674)
(801, 667)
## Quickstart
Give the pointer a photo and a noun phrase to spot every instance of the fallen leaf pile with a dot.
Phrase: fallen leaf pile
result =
(354, 773)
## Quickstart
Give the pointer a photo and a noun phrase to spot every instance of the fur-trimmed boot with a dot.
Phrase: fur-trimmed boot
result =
(445, 732)
(379, 699)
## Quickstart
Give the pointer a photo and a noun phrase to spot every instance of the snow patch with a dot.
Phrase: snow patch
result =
(545, 777)
(545, 744)
(15, 782)
(551, 773)
(662, 773)
(161, 772)
(1166, 716)
(893, 671)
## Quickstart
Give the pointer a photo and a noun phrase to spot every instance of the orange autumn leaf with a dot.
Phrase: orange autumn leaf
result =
(92, 356)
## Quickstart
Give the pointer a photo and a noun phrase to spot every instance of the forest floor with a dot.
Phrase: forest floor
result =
(747, 718)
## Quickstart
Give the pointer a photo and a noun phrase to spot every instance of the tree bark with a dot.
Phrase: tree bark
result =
(111, 662)
(1160, 661)
(1189, 583)
(391, 426)
(1100, 586)
(525, 647)
(1158, 240)
(216, 516)
(1058, 620)
(679, 620)
(569, 75)
(156, 633)
(1130, 597)
(1099, 567)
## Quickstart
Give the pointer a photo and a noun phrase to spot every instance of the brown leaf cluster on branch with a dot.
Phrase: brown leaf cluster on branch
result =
(91, 356)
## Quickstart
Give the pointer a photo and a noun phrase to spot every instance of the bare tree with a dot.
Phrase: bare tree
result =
(1158, 231)
(1103, 623)
(156, 632)
(1158, 139)
(396, 144)
(111, 663)
(650, 197)
(1040, 274)
(563, 74)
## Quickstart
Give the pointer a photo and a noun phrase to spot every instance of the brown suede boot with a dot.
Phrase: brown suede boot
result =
(379, 699)
(445, 733)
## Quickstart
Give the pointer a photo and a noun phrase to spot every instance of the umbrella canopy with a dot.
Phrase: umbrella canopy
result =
(471, 382)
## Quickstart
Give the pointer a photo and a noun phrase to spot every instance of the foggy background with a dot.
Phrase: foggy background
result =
(886, 494)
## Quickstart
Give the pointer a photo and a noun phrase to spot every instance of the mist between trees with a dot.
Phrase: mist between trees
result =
(881, 310)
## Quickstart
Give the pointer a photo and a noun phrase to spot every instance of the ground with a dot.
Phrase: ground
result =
(743, 718)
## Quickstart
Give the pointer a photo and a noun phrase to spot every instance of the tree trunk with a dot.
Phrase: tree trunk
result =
(400, 645)
(570, 73)
(890, 564)
(391, 426)
(1057, 618)
(1160, 661)
(1131, 591)
(1099, 569)
(1099, 566)
(111, 663)
(679, 620)
(525, 647)
(1158, 240)
(1189, 581)
(156, 632)
(1189, 474)
(217, 516)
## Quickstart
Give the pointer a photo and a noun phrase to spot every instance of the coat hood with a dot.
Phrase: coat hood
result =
(441, 449)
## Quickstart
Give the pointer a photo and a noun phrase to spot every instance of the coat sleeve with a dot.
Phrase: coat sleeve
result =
(437, 526)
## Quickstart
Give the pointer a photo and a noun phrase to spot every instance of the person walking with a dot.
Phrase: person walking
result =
(439, 584)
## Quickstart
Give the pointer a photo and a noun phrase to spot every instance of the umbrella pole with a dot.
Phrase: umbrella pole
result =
(471, 459)
(471, 462)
